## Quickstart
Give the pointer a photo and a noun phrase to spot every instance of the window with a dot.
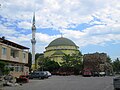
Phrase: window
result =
(4, 51)
(24, 55)
(17, 68)
(14, 53)
(21, 68)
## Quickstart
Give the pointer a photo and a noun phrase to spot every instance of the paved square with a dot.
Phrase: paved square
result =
(68, 83)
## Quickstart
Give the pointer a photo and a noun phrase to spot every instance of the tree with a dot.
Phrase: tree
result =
(116, 65)
(48, 65)
(66, 61)
(37, 55)
(109, 60)
(4, 70)
(77, 63)
(2, 65)
(73, 61)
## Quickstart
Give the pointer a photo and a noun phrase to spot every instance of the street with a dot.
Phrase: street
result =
(68, 83)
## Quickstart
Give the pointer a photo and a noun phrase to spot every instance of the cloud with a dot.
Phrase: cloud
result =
(55, 13)
(45, 38)
(25, 25)
(61, 15)
(7, 31)
(15, 8)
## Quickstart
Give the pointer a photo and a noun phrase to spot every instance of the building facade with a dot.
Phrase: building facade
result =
(97, 62)
(15, 56)
(59, 47)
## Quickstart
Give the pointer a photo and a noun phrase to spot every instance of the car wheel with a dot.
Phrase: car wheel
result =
(30, 78)
(116, 89)
(39, 77)
(42, 77)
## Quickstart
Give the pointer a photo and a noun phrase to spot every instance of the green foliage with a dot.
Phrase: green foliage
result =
(5, 70)
(66, 61)
(72, 61)
(109, 60)
(48, 65)
(77, 63)
(116, 65)
(37, 56)
(69, 63)
(11, 69)
(2, 65)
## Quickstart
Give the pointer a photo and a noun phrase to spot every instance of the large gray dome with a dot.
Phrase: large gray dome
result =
(62, 42)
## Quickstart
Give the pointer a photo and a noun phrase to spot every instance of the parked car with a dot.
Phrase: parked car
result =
(116, 83)
(96, 74)
(102, 73)
(48, 74)
(22, 79)
(87, 73)
(38, 74)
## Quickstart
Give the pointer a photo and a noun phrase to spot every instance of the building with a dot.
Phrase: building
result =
(60, 46)
(97, 62)
(15, 56)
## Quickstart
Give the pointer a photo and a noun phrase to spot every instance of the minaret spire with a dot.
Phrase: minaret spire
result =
(34, 18)
(61, 35)
(33, 41)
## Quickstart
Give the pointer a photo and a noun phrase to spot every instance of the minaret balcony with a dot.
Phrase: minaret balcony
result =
(33, 28)
(33, 41)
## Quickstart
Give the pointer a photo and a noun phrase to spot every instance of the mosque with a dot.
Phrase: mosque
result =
(59, 47)
(56, 49)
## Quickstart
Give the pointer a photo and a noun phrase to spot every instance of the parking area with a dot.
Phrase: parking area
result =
(67, 83)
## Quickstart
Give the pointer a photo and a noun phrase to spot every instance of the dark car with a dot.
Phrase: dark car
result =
(37, 74)
(116, 83)
(96, 74)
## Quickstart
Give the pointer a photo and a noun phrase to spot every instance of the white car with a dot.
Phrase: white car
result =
(102, 73)
(48, 73)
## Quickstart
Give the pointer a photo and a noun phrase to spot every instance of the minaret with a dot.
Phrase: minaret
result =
(33, 41)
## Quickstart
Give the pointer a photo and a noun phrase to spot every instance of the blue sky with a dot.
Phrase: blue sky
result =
(93, 25)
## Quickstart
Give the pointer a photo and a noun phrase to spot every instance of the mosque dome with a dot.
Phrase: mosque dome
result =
(61, 42)
(59, 47)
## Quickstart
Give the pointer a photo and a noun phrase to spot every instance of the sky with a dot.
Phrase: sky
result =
(93, 25)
